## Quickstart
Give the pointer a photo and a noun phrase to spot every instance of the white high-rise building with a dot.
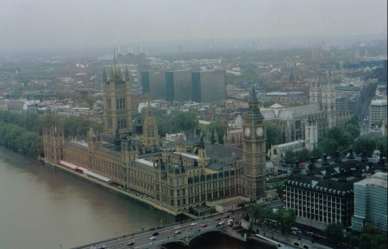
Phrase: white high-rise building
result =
(370, 202)
(377, 112)
(311, 135)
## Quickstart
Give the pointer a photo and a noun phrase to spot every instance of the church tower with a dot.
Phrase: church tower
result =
(53, 142)
(150, 137)
(117, 101)
(315, 93)
(328, 101)
(253, 150)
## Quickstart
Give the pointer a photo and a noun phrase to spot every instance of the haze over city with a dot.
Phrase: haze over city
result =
(51, 24)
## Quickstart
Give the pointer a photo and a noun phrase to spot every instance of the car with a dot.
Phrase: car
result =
(152, 238)
(305, 247)
(296, 244)
(131, 243)
(193, 224)
(221, 223)
(155, 234)
(177, 232)
(204, 225)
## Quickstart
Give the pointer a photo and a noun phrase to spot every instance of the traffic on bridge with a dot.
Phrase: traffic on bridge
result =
(180, 233)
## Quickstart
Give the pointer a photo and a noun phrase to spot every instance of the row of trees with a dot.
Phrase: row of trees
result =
(188, 122)
(20, 131)
(28, 120)
(370, 238)
(260, 214)
(78, 127)
(364, 145)
(368, 143)
(176, 122)
(19, 139)
(341, 139)
(32, 121)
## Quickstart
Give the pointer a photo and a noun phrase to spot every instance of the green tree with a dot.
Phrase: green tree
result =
(353, 127)
(303, 155)
(274, 134)
(334, 233)
(219, 129)
(290, 157)
(365, 242)
(185, 121)
(365, 145)
(212, 137)
(286, 218)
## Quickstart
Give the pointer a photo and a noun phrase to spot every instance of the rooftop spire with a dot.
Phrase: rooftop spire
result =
(254, 103)
(104, 76)
(126, 73)
(114, 64)
(253, 97)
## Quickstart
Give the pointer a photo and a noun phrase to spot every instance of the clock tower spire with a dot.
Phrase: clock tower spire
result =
(253, 150)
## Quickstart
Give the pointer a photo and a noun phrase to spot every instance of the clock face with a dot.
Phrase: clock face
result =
(247, 132)
(259, 131)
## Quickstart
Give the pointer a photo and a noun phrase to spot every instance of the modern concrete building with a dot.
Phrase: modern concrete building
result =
(185, 85)
(370, 202)
(212, 86)
(319, 202)
(324, 192)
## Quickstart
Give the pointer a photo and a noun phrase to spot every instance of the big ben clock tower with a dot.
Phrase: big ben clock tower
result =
(253, 150)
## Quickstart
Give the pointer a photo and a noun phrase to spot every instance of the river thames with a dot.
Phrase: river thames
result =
(46, 208)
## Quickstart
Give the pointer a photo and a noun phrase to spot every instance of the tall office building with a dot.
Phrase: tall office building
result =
(212, 86)
(182, 85)
(377, 112)
(185, 85)
(370, 202)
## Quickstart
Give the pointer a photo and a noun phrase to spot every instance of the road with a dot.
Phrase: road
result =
(289, 240)
(179, 233)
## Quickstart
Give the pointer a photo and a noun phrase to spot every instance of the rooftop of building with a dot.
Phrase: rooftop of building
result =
(379, 102)
(284, 113)
(223, 153)
(377, 179)
(338, 175)
(322, 184)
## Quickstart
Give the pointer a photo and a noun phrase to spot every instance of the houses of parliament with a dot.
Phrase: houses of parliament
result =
(176, 177)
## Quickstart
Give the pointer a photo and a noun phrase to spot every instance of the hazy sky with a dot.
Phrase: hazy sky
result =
(80, 23)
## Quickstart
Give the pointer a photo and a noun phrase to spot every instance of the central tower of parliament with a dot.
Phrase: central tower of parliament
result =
(175, 178)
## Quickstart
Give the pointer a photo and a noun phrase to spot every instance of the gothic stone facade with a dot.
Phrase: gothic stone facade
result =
(177, 178)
